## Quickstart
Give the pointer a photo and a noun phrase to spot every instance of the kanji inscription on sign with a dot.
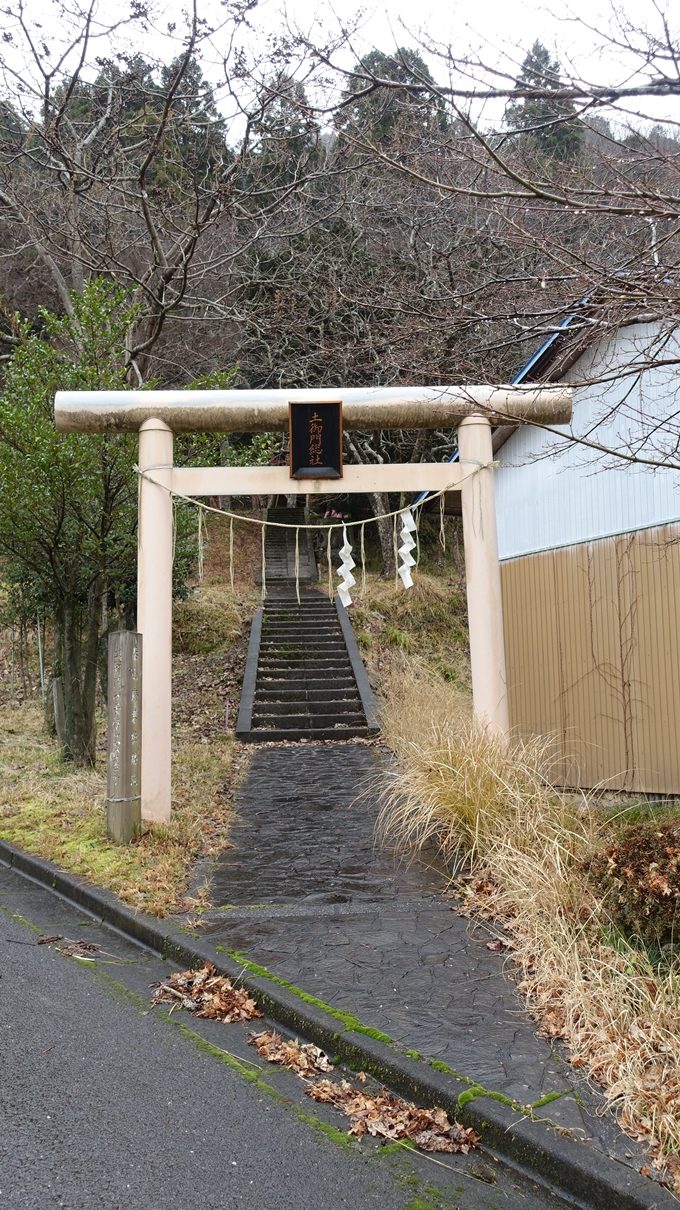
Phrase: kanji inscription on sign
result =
(315, 440)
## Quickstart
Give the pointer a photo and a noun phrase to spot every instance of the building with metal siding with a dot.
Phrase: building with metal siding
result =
(590, 551)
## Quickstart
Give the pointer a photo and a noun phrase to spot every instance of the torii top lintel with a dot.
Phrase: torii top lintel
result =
(366, 408)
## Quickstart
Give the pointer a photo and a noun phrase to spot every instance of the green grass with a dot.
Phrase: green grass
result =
(622, 815)
(428, 621)
(399, 638)
(56, 811)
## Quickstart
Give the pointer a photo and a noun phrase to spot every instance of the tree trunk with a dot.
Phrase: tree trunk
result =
(55, 671)
(90, 671)
(79, 696)
(380, 503)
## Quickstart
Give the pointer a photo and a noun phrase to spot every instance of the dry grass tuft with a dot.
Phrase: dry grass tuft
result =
(456, 784)
(526, 843)
(246, 553)
(207, 621)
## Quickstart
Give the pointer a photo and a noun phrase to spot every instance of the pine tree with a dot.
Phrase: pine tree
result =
(286, 138)
(546, 124)
(384, 114)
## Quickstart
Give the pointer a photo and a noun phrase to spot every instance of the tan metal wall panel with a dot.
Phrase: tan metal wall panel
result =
(657, 664)
(610, 762)
(593, 657)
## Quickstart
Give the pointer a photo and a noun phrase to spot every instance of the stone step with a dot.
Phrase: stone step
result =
(294, 642)
(290, 658)
(303, 664)
(300, 646)
(310, 598)
(302, 638)
(327, 620)
(299, 720)
(307, 695)
(299, 669)
(302, 709)
(292, 615)
(322, 618)
(310, 629)
(304, 619)
(309, 684)
(292, 734)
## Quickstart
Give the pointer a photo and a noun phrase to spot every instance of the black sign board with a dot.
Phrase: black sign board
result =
(315, 440)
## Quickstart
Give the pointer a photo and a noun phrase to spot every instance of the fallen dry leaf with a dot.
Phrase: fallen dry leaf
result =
(207, 994)
(78, 949)
(303, 1058)
(388, 1117)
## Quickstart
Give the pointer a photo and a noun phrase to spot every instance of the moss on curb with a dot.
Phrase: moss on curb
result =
(351, 1023)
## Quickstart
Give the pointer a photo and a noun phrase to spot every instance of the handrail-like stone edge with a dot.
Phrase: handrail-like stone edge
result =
(245, 710)
(368, 700)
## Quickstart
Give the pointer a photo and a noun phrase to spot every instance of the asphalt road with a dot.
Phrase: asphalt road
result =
(106, 1102)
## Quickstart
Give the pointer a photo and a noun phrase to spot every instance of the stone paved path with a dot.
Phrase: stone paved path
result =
(106, 1104)
(307, 892)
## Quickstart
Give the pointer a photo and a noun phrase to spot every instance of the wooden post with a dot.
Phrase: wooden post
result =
(123, 797)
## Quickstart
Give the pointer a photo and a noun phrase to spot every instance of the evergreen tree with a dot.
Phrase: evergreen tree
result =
(194, 142)
(68, 502)
(385, 114)
(544, 123)
(286, 137)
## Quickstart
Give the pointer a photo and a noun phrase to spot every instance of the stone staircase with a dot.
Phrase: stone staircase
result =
(304, 676)
(279, 552)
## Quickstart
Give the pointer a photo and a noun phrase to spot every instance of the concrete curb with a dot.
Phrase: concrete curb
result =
(592, 1179)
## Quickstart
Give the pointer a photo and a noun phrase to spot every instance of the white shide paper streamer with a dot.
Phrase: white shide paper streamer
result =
(347, 580)
(406, 560)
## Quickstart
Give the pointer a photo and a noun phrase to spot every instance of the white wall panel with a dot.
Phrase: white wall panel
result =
(552, 491)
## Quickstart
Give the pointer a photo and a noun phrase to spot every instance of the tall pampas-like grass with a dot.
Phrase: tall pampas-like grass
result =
(491, 807)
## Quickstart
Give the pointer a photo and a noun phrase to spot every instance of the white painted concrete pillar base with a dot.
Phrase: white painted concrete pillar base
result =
(154, 617)
(482, 573)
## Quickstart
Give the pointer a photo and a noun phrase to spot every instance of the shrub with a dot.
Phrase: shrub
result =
(208, 621)
(639, 876)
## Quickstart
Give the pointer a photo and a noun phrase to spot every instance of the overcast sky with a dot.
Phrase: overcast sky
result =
(501, 32)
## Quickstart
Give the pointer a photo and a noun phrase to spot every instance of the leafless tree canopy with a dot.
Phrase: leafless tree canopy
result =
(415, 215)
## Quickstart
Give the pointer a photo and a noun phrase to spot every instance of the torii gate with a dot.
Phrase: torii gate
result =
(157, 415)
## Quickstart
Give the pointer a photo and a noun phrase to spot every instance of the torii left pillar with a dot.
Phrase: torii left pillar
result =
(154, 616)
(483, 577)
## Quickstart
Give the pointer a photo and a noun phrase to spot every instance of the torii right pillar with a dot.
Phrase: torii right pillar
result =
(483, 576)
